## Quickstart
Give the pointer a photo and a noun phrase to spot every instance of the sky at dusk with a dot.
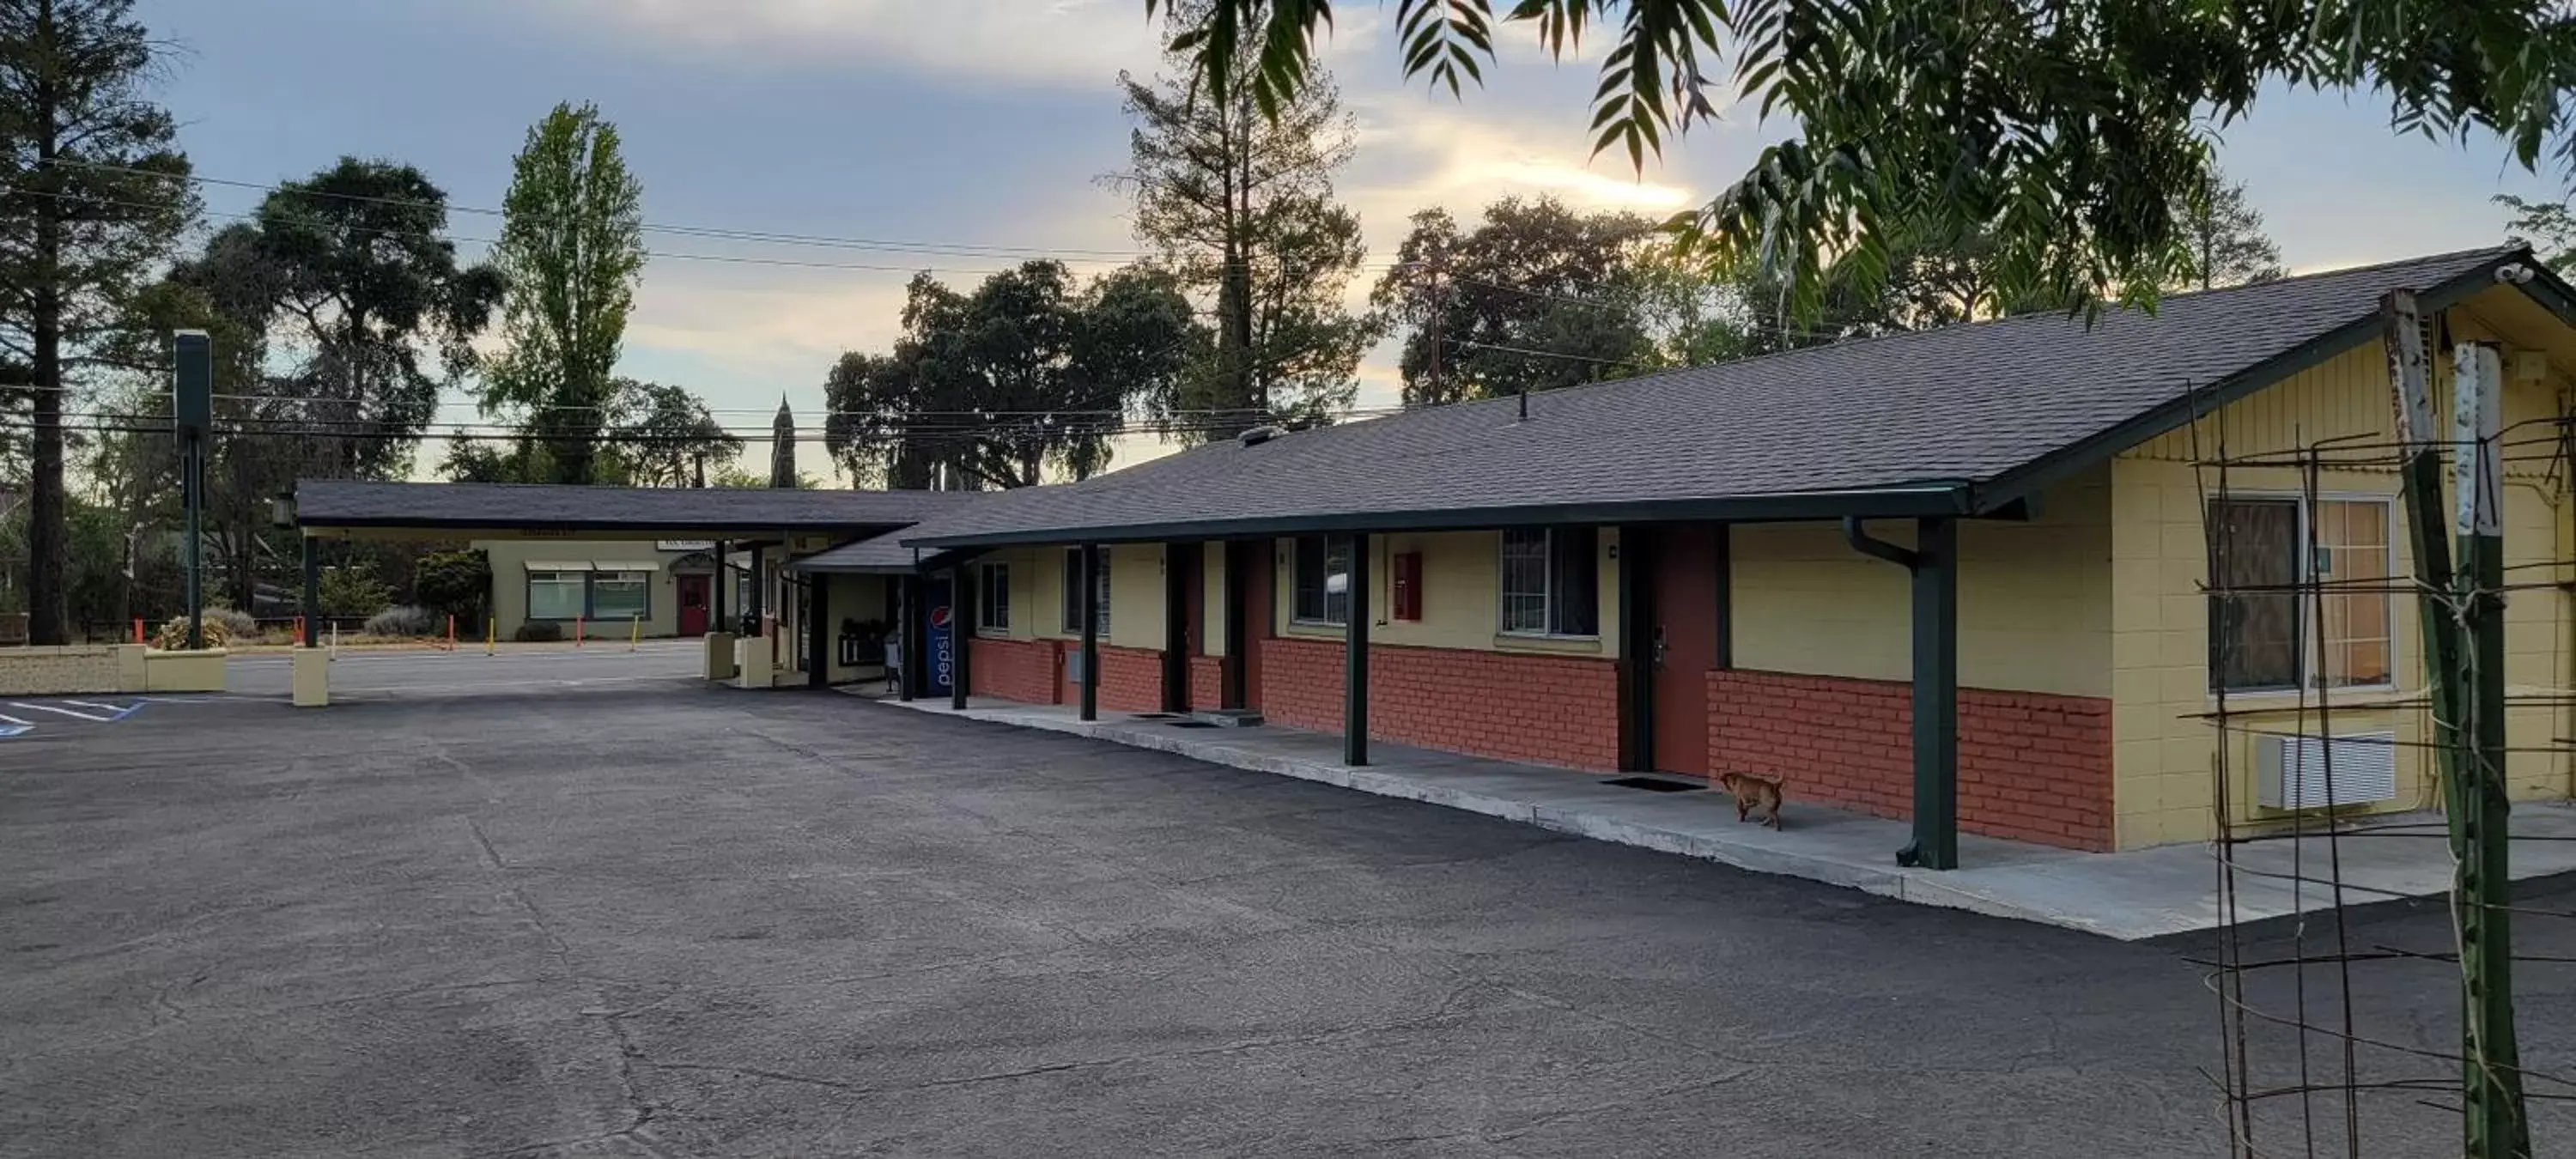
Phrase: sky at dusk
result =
(986, 124)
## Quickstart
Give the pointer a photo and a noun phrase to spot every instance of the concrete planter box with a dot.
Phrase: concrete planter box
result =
(63, 671)
(199, 671)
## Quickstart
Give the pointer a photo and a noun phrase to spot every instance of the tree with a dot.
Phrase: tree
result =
(572, 252)
(2225, 235)
(991, 388)
(372, 294)
(2547, 227)
(667, 437)
(1536, 297)
(1238, 200)
(2068, 129)
(93, 192)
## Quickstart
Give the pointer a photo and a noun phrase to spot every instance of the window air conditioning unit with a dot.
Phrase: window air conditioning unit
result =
(2290, 771)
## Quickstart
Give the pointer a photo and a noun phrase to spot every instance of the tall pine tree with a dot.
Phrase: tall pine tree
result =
(1238, 200)
(93, 193)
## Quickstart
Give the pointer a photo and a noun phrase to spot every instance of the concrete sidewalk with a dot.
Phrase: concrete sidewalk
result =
(2130, 896)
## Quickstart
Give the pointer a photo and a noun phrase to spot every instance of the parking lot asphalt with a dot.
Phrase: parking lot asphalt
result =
(649, 918)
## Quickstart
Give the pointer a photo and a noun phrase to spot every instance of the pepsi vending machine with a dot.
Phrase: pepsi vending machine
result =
(938, 639)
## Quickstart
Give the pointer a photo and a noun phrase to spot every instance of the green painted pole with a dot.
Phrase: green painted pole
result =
(2481, 836)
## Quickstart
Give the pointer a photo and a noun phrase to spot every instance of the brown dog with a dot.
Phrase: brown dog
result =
(1754, 794)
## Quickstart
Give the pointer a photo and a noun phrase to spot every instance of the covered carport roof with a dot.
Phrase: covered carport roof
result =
(882, 555)
(323, 506)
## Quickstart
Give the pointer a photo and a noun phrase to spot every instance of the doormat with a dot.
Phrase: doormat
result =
(1194, 724)
(1655, 784)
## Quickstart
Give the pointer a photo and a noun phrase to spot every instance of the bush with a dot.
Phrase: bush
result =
(353, 591)
(173, 636)
(237, 625)
(539, 632)
(456, 582)
(403, 622)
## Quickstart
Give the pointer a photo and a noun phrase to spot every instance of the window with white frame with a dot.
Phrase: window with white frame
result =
(1551, 582)
(1323, 580)
(621, 595)
(556, 595)
(993, 597)
(2299, 593)
(1072, 611)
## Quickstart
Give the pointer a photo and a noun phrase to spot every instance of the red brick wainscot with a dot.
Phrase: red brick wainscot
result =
(1021, 670)
(1207, 682)
(1035, 672)
(2032, 766)
(1559, 710)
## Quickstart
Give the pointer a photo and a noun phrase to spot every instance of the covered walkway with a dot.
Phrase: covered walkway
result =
(2130, 896)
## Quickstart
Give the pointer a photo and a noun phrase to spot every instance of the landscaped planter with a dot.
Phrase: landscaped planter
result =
(196, 671)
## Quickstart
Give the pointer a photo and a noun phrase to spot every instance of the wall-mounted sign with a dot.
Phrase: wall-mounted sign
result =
(684, 545)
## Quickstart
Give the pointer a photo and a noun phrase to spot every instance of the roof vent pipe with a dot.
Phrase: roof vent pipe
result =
(1524, 405)
(1255, 436)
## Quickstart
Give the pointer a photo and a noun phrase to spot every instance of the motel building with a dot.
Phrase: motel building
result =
(1956, 577)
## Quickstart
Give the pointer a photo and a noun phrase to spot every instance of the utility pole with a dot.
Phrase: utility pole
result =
(2463, 643)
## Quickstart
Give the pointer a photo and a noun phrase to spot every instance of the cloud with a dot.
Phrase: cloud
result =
(1019, 43)
(1414, 154)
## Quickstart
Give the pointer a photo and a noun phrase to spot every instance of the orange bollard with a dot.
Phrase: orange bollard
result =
(138, 629)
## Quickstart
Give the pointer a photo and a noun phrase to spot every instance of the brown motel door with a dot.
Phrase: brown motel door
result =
(1685, 645)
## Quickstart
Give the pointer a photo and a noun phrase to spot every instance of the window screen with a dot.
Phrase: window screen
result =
(1072, 612)
(993, 606)
(1323, 579)
(555, 595)
(1551, 582)
(2269, 592)
(621, 595)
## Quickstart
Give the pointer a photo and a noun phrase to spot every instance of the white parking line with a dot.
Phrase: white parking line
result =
(64, 711)
(15, 721)
(119, 709)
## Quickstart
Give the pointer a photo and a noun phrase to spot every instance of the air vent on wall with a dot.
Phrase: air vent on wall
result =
(2291, 772)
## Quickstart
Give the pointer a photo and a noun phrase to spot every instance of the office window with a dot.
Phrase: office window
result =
(1323, 580)
(1550, 582)
(993, 597)
(1072, 611)
(556, 595)
(2265, 603)
(621, 595)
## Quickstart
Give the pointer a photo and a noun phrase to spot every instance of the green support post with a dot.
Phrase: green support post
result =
(2481, 834)
(1090, 580)
(2463, 641)
(1355, 657)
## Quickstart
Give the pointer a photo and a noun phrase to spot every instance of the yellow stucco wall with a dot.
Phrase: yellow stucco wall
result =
(2166, 749)
(1032, 600)
(1135, 594)
(510, 559)
(2034, 599)
(1461, 595)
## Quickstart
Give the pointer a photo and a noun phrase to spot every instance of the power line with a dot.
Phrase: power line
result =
(1067, 254)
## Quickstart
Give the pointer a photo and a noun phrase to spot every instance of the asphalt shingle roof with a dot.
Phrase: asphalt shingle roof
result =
(1938, 409)
(882, 554)
(350, 503)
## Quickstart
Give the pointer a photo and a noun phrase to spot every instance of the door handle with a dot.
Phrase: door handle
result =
(1659, 646)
